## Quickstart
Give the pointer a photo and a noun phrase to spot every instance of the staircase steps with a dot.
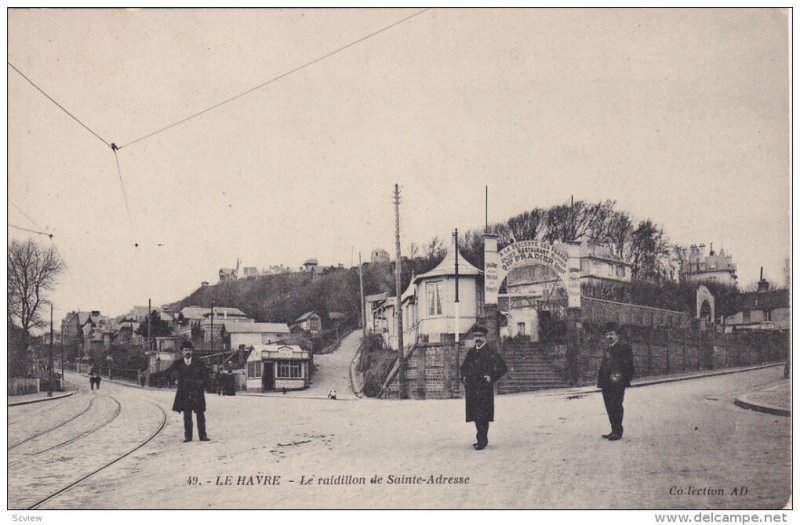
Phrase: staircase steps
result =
(527, 371)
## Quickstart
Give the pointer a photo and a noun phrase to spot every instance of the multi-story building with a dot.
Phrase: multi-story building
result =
(709, 266)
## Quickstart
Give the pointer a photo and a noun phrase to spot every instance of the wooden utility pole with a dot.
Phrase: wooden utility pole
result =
(149, 316)
(458, 313)
(212, 327)
(363, 303)
(486, 211)
(398, 268)
(50, 374)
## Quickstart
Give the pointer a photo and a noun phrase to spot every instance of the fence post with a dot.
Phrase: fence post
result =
(683, 341)
(649, 351)
(667, 349)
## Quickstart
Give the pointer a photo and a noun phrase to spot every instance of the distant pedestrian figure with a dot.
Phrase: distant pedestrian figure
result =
(193, 379)
(481, 369)
(284, 390)
(616, 372)
(94, 376)
(332, 394)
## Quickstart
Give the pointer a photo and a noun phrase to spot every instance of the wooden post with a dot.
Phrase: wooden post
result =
(683, 342)
(667, 351)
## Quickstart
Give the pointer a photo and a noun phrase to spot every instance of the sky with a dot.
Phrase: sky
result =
(681, 116)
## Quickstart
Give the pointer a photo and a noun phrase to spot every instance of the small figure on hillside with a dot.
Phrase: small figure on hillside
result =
(94, 376)
(616, 372)
(332, 394)
(481, 369)
(193, 379)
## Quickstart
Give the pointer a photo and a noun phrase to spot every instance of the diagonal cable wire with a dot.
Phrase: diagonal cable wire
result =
(23, 213)
(51, 99)
(119, 172)
(270, 81)
(31, 231)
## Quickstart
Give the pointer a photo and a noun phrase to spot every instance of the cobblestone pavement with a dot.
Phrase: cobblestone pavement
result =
(686, 446)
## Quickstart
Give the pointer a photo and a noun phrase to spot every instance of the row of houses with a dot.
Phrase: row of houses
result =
(428, 305)
(310, 266)
(262, 355)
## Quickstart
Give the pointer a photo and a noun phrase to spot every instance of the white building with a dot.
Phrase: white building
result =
(429, 307)
(275, 367)
(254, 334)
(709, 266)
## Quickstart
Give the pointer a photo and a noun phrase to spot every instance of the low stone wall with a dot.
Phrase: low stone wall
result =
(23, 385)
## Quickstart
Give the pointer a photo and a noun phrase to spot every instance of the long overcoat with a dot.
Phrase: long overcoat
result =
(617, 359)
(192, 381)
(479, 393)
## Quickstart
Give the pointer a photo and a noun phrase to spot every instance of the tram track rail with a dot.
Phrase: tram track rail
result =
(106, 465)
(59, 425)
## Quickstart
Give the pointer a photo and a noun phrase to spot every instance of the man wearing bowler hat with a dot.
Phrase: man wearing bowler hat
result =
(616, 372)
(193, 379)
(481, 369)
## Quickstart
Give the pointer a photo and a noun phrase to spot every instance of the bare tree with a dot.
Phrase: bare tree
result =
(32, 270)
(527, 225)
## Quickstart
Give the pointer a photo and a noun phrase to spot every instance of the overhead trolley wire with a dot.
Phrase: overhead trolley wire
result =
(50, 235)
(270, 81)
(51, 99)
(119, 172)
(111, 145)
(31, 231)
(23, 213)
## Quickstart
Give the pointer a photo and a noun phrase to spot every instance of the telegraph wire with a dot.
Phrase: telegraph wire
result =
(51, 99)
(270, 81)
(50, 235)
(31, 231)
(23, 213)
(119, 172)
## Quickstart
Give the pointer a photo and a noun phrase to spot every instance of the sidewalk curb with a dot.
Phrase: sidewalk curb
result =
(60, 396)
(744, 402)
(645, 382)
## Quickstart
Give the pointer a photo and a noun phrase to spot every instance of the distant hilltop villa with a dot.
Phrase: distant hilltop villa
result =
(709, 266)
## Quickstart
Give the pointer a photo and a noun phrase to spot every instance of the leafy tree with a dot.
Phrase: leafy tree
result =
(158, 327)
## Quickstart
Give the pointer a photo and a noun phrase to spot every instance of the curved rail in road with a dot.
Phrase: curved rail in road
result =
(106, 465)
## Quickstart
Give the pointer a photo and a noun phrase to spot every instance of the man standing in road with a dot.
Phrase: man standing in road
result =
(94, 376)
(616, 372)
(481, 369)
(193, 379)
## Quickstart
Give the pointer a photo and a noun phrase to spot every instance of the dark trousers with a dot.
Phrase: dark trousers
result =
(187, 423)
(94, 381)
(613, 398)
(482, 436)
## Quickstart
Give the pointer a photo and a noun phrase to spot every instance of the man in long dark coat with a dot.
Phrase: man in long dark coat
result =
(481, 369)
(193, 379)
(616, 372)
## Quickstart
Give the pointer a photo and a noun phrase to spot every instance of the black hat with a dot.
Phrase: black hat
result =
(186, 345)
(611, 326)
(478, 329)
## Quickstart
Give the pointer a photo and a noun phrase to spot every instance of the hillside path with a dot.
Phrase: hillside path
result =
(333, 370)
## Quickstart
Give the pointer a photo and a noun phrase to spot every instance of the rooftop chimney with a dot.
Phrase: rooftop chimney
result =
(763, 285)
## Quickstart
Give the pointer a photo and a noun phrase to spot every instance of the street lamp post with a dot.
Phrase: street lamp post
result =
(50, 367)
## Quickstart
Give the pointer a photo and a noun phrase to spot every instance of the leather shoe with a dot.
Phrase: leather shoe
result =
(614, 437)
(186, 440)
(204, 438)
(606, 436)
(480, 446)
